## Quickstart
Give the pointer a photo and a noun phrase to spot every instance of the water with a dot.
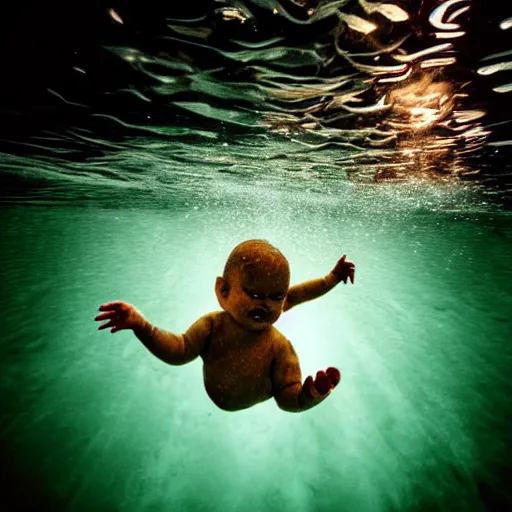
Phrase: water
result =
(138, 146)
(92, 421)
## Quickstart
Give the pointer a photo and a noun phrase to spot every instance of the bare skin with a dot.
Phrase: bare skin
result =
(246, 360)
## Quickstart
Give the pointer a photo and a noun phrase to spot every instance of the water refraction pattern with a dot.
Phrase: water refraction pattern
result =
(397, 91)
(326, 73)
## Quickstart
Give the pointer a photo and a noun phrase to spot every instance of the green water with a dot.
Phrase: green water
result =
(421, 420)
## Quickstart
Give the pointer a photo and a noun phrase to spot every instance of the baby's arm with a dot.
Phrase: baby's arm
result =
(170, 348)
(317, 287)
(289, 392)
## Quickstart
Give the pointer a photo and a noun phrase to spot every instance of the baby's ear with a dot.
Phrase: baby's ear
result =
(221, 287)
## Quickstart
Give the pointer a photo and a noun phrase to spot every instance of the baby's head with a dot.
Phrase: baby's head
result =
(254, 284)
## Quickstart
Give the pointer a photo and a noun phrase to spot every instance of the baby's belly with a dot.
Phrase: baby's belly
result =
(233, 387)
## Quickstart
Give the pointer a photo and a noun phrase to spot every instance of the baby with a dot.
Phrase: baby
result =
(245, 359)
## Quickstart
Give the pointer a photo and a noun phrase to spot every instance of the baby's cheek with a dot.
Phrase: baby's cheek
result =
(276, 313)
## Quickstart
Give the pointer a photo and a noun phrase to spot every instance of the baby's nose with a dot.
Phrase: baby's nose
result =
(271, 309)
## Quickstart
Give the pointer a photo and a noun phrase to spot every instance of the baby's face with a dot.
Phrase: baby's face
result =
(257, 295)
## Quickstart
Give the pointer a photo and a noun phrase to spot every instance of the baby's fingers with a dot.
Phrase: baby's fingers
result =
(104, 316)
(322, 382)
(112, 323)
(334, 376)
(116, 305)
(309, 386)
(116, 326)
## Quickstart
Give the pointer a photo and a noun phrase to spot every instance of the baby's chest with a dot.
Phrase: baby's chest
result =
(228, 361)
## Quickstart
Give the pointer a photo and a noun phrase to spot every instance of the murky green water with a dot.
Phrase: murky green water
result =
(420, 421)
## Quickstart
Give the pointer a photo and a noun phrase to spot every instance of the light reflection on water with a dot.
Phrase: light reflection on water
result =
(378, 91)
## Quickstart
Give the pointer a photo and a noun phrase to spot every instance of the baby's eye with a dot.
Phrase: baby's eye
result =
(256, 296)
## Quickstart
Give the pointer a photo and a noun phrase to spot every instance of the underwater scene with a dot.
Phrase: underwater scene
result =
(141, 142)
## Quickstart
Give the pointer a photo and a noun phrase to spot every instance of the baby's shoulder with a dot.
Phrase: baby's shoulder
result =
(217, 318)
(279, 341)
(276, 335)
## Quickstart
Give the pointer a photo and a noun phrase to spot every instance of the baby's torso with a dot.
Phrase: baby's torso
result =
(237, 368)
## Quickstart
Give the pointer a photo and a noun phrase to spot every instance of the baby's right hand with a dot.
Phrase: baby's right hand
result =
(121, 315)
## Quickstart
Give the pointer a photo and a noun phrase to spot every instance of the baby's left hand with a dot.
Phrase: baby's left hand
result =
(344, 270)
(323, 383)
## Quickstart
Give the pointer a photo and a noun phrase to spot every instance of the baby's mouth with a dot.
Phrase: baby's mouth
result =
(259, 314)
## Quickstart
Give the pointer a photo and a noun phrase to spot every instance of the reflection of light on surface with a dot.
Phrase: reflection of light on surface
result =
(457, 13)
(438, 15)
(418, 111)
(497, 55)
(233, 14)
(377, 107)
(503, 88)
(115, 16)
(421, 104)
(506, 24)
(501, 143)
(434, 63)
(449, 35)
(374, 70)
(498, 67)
(494, 68)
(411, 108)
(390, 11)
(423, 117)
(467, 116)
(358, 24)
(395, 78)
(422, 53)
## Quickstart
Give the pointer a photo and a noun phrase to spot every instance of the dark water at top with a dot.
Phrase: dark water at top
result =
(140, 143)
(369, 92)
